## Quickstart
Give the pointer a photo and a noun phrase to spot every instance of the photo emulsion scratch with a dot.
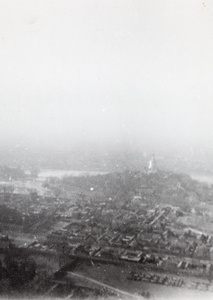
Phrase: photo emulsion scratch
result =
(106, 149)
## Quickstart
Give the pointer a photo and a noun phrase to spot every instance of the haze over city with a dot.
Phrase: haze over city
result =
(106, 166)
(106, 73)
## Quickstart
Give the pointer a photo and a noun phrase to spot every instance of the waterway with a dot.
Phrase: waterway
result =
(45, 173)
(203, 178)
(23, 185)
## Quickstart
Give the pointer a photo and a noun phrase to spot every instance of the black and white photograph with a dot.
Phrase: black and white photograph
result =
(106, 149)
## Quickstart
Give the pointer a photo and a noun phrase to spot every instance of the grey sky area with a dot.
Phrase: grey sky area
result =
(106, 71)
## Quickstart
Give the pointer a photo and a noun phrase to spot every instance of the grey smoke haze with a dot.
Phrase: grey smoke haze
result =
(110, 71)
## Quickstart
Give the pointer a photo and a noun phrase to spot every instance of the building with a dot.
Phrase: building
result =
(152, 166)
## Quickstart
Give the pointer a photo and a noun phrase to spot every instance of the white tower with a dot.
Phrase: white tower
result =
(152, 166)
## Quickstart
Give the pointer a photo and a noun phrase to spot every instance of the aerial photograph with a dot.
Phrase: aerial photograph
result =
(106, 149)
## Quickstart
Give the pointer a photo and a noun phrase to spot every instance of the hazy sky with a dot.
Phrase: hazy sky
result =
(106, 70)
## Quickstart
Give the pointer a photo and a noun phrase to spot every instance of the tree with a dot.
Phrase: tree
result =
(20, 268)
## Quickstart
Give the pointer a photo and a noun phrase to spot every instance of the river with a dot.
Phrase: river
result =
(45, 173)
(203, 178)
(24, 185)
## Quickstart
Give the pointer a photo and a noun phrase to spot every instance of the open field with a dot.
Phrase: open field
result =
(116, 276)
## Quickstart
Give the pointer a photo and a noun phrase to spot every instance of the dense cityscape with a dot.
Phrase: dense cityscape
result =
(93, 235)
(106, 166)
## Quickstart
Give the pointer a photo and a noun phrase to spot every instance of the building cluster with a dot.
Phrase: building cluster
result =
(135, 233)
(137, 230)
(171, 281)
(25, 203)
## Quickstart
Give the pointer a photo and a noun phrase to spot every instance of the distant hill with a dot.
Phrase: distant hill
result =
(161, 187)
